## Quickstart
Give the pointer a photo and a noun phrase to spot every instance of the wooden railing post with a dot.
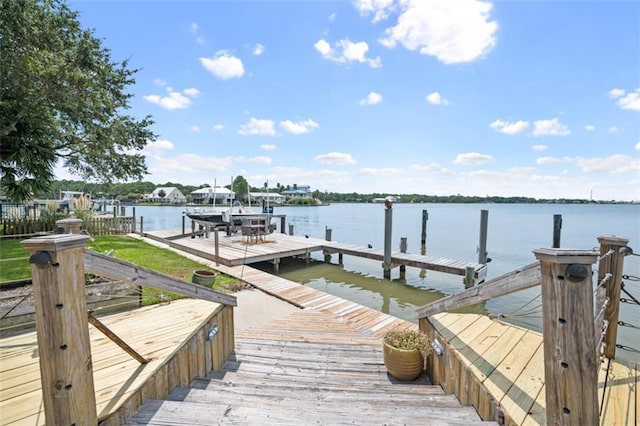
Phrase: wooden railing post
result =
(570, 363)
(66, 371)
(613, 264)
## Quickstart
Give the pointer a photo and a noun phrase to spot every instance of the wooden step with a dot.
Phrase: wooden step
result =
(179, 413)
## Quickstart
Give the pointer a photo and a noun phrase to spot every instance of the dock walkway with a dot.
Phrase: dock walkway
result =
(236, 250)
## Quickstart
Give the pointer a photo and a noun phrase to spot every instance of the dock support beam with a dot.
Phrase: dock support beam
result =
(614, 265)
(570, 362)
(388, 216)
(403, 249)
(66, 370)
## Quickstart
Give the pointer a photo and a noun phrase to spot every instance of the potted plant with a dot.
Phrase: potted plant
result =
(405, 353)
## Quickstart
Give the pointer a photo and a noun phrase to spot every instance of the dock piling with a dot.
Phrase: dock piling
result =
(569, 336)
(482, 246)
(388, 216)
(403, 249)
(62, 327)
(557, 230)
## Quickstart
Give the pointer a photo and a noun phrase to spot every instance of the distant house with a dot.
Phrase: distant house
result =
(208, 195)
(166, 195)
(272, 198)
(298, 191)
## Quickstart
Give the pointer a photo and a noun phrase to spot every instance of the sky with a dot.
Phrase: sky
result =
(438, 97)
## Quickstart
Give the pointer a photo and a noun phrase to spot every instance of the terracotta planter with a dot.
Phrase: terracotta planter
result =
(402, 364)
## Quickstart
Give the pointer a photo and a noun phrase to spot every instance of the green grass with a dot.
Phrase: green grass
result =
(124, 248)
(14, 261)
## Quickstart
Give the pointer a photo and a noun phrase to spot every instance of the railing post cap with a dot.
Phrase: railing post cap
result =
(613, 240)
(54, 243)
(68, 220)
(566, 256)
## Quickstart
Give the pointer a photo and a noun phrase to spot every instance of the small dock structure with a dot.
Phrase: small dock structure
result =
(237, 250)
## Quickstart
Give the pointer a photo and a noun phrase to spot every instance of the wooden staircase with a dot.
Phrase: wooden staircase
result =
(311, 367)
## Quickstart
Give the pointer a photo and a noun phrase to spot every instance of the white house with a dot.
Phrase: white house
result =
(298, 191)
(272, 198)
(207, 195)
(172, 195)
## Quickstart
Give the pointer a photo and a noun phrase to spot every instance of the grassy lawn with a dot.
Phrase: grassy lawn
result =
(14, 262)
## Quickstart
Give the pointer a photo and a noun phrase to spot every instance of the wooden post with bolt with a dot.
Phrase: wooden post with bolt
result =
(66, 370)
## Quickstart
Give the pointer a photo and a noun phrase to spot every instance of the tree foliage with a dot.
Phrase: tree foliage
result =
(62, 99)
(241, 187)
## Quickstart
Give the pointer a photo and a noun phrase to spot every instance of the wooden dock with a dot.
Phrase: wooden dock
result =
(237, 250)
(170, 335)
(496, 367)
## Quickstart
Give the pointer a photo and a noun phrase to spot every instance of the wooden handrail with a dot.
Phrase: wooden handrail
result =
(520, 279)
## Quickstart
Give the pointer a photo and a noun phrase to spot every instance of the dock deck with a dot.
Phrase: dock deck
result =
(161, 333)
(237, 250)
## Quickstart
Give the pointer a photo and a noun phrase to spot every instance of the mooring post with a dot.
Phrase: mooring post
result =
(291, 229)
(133, 226)
(388, 216)
(123, 210)
(64, 349)
(570, 362)
(557, 230)
(482, 245)
(611, 263)
(184, 218)
(282, 227)
(403, 249)
(327, 233)
(423, 235)
(141, 224)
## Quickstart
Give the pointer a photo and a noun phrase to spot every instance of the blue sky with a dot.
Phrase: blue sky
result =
(506, 98)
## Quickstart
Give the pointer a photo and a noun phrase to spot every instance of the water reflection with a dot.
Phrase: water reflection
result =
(396, 296)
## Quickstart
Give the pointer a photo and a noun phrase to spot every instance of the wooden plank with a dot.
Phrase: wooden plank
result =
(520, 279)
(104, 265)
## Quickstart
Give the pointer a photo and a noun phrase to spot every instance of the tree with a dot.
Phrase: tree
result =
(241, 187)
(63, 99)
(162, 194)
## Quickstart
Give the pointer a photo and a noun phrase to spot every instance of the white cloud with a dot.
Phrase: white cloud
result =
(435, 99)
(372, 99)
(195, 129)
(332, 17)
(347, 52)
(259, 160)
(257, 126)
(258, 49)
(386, 171)
(452, 31)
(188, 164)
(551, 127)
(173, 100)
(539, 148)
(613, 129)
(590, 128)
(509, 128)
(616, 163)
(334, 158)
(616, 93)
(268, 147)
(218, 127)
(159, 82)
(543, 161)
(429, 168)
(472, 159)
(379, 8)
(637, 146)
(223, 65)
(159, 145)
(298, 128)
(626, 100)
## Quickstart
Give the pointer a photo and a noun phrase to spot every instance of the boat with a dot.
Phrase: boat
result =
(233, 216)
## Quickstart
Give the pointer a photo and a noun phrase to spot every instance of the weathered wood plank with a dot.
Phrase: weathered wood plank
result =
(107, 266)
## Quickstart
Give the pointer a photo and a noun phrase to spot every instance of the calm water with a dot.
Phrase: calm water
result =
(452, 232)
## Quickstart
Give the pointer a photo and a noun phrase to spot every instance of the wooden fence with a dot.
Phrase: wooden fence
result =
(99, 225)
